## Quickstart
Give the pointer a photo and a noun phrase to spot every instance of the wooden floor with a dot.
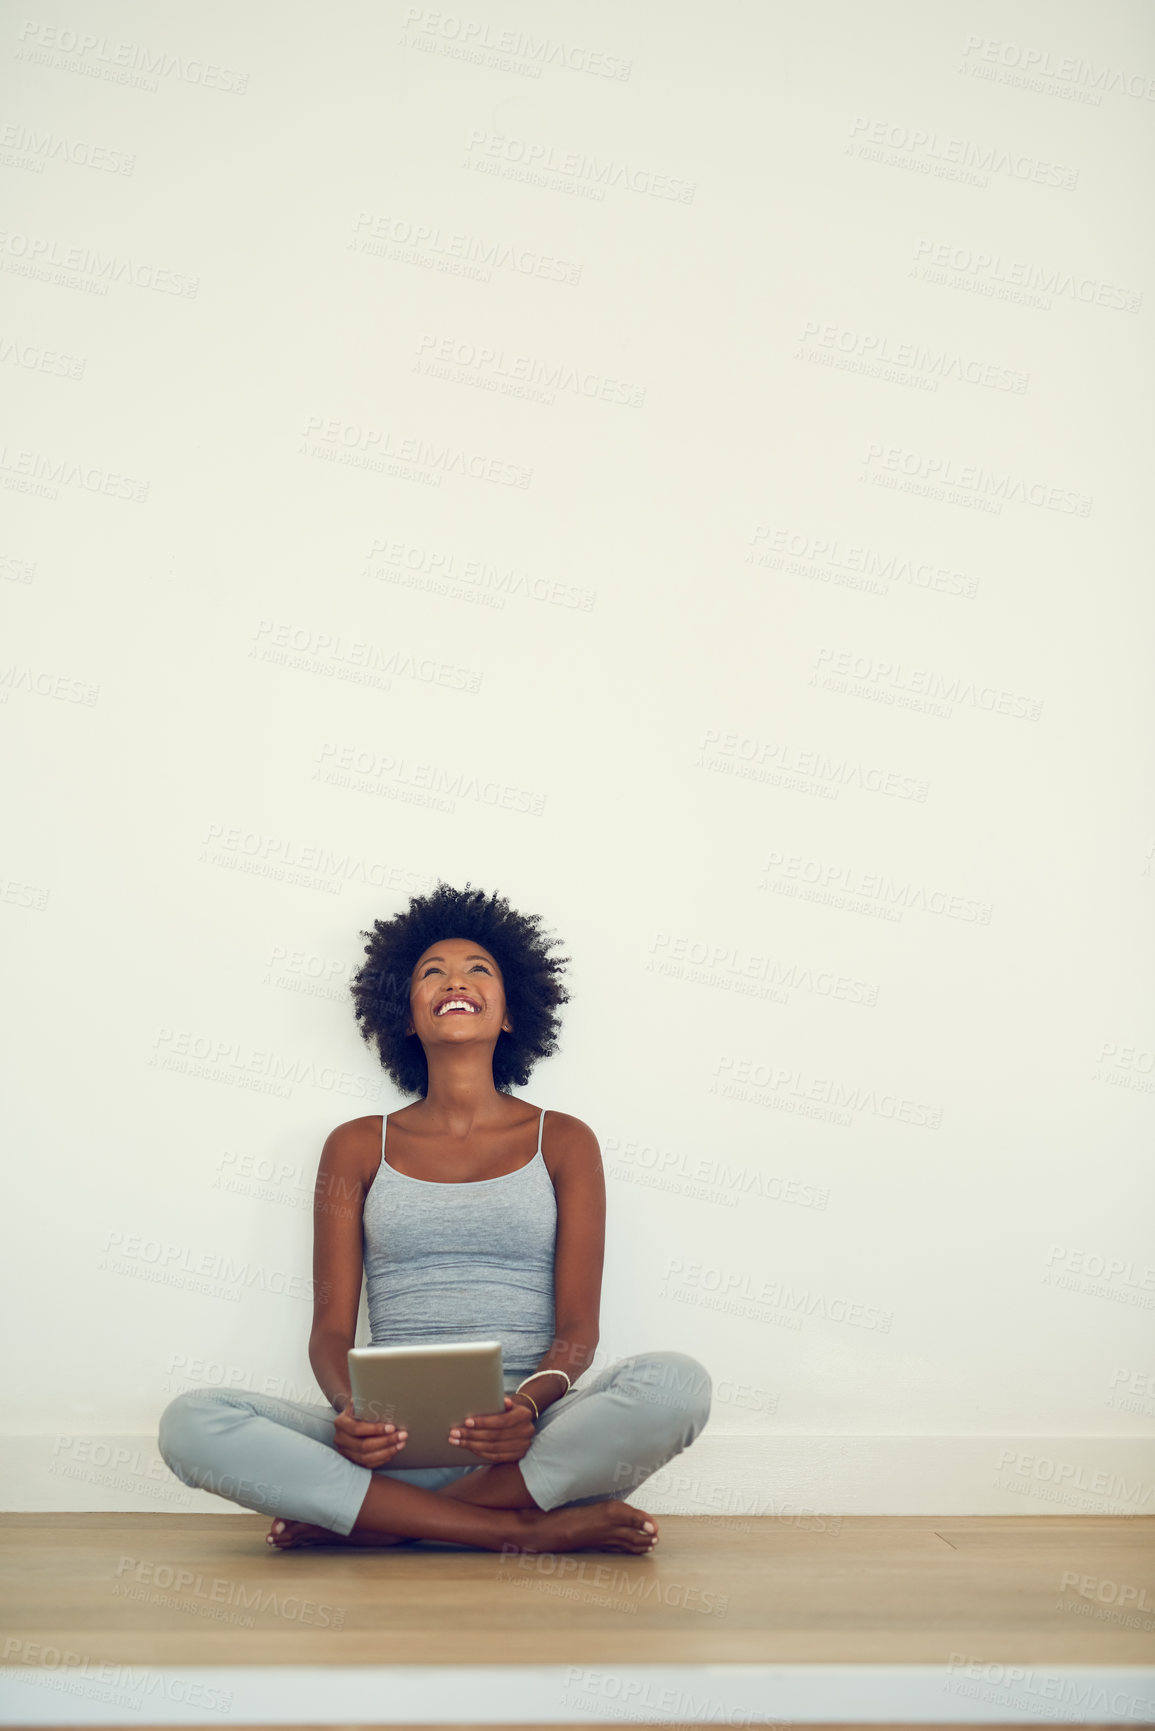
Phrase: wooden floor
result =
(201, 1589)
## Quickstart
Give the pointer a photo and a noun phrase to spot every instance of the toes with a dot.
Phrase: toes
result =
(287, 1535)
(631, 1539)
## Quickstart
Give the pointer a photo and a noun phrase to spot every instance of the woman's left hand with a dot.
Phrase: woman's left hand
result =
(497, 1436)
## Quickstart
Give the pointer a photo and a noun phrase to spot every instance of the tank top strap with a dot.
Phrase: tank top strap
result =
(540, 1128)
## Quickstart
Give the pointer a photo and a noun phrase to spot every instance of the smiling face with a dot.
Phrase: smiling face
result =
(457, 996)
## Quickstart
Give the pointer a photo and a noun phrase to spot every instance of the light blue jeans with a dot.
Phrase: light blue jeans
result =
(602, 1439)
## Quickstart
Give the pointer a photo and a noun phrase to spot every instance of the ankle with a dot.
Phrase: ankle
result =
(518, 1524)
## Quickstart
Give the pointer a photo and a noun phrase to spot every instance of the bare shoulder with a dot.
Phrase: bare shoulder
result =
(353, 1149)
(570, 1144)
(571, 1131)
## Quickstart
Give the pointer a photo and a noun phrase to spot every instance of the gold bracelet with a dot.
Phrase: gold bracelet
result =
(532, 1402)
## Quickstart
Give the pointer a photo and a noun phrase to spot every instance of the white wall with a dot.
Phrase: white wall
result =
(685, 470)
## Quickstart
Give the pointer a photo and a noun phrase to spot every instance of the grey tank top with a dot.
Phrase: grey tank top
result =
(467, 1261)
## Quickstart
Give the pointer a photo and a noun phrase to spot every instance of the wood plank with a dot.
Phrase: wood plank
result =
(205, 1589)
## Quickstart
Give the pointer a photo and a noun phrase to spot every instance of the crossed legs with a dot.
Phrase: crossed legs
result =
(590, 1450)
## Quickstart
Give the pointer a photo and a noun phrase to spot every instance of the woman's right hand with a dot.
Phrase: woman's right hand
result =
(365, 1444)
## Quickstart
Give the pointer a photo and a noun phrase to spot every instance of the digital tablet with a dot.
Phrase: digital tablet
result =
(428, 1391)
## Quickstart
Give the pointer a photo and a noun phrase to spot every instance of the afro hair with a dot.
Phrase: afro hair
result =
(530, 974)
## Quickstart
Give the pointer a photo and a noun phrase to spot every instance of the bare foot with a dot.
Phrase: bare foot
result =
(297, 1535)
(608, 1526)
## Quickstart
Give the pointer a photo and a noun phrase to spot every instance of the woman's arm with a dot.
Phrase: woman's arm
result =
(579, 1254)
(338, 1263)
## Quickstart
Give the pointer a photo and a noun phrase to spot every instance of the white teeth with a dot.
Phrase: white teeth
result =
(457, 1004)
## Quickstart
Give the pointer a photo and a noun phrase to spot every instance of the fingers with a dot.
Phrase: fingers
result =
(517, 1419)
(508, 1449)
(366, 1455)
(381, 1458)
(365, 1443)
(355, 1427)
(474, 1419)
(479, 1441)
(471, 1434)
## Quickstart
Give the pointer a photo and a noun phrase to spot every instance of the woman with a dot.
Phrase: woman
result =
(462, 1232)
